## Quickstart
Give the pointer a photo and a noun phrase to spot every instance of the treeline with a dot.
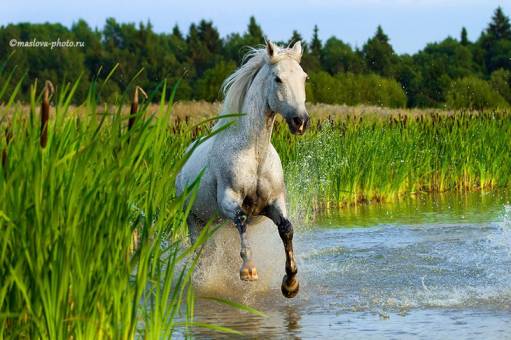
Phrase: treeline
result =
(455, 72)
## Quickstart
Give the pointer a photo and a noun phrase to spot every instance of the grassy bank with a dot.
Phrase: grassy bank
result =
(359, 159)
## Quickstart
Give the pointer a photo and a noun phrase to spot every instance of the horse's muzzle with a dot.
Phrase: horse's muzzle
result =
(298, 124)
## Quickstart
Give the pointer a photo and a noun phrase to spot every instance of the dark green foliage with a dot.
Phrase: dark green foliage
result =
(254, 34)
(296, 36)
(439, 64)
(410, 79)
(498, 55)
(311, 61)
(315, 45)
(208, 86)
(235, 44)
(200, 57)
(464, 37)
(379, 54)
(496, 42)
(501, 82)
(338, 56)
(475, 94)
(353, 89)
(499, 28)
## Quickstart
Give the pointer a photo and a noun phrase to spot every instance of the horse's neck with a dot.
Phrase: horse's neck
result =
(257, 124)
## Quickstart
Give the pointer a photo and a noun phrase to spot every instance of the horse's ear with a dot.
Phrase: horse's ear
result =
(270, 48)
(297, 50)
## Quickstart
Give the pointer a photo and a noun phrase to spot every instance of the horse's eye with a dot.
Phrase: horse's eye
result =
(277, 79)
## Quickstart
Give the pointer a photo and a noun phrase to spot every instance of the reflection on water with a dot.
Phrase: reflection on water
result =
(473, 207)
(437, 268)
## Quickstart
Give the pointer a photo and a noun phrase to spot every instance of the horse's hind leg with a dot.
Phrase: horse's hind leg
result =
(231, 208)
(194, 227)
(277, 213)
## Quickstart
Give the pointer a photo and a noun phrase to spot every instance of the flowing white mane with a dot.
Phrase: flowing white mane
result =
(235, 87)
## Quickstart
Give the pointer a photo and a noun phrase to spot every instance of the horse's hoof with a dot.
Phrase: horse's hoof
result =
(289, 289)
(248, 272)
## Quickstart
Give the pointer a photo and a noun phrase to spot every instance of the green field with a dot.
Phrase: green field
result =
(69, 262)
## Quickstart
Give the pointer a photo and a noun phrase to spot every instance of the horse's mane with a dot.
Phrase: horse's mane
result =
(235, 87)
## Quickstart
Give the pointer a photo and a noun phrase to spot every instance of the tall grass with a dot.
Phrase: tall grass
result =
(70, 266)
(382, 158)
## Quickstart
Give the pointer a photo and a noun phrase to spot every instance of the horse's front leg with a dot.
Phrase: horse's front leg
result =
(276, 211)
(230, 205)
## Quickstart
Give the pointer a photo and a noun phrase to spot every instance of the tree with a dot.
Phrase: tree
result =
(496, 42)
(254, 35)
(379, 54)
(199, 53)
(499, 56)
(439, 64)
(296, 36)
(315, 45)
(176, 32)
(409, 76)
(499, 28)
(200, 59)
(92, 41)
(236, 44)
(473, 93)
(209, 36)
(311, 60)
(208, 86)
(464, 37)
(178, 45)
(501, 82)
(338, 56)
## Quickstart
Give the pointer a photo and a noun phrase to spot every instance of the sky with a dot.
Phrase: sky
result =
(410, 24)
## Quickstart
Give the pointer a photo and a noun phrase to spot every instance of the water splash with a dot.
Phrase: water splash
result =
(218, 271)
(392, 278)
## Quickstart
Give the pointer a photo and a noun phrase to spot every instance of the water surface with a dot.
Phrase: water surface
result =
(435, 267)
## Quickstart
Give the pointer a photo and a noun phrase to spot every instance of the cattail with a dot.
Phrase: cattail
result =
(8, 137)
(45, 113)
(134, 107)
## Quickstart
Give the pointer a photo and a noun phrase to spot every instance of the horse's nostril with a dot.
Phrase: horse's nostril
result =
(297, 121)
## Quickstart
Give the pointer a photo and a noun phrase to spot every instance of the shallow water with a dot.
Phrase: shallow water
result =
(437, 267)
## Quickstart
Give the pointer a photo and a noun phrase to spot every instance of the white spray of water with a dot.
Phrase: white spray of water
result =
(503, 235)
(218, 272)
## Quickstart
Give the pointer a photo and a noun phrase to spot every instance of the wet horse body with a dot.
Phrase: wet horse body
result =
(243, 175)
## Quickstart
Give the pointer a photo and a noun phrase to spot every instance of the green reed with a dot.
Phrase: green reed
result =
(358, 159)
(92, 232)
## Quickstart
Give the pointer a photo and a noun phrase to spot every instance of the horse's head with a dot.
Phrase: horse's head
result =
(286, 86)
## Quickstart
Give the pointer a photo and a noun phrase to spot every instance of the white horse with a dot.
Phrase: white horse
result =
(243, 175)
